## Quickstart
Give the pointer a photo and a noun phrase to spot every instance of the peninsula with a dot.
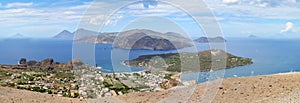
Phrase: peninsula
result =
(175, 61)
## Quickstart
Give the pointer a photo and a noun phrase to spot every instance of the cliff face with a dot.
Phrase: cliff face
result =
(145, 42)
(207, 40)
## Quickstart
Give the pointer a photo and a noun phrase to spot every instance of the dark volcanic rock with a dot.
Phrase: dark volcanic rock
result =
(31, 63)
(22, 61)
(47, 62)
(50, 68)
(74, 62)
(148, 42)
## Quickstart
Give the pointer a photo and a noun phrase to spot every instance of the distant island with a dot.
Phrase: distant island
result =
(67, 35)
(131, 39)
(207, 39)
(173, 61)
(17, 36)
(252, 36)
(64, 35)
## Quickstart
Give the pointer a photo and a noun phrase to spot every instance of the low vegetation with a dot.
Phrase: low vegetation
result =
(183, 62)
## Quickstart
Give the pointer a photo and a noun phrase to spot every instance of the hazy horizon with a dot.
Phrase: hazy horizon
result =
(237, 18)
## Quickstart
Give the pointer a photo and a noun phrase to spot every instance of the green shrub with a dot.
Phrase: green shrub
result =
(49, 91)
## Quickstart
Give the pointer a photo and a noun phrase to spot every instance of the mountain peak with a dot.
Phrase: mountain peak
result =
(17, 36)
(66, 31)
(65, 34)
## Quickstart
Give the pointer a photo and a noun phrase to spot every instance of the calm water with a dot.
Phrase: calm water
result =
(269, 56)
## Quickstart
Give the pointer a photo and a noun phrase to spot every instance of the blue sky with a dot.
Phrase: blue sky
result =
(237, 18)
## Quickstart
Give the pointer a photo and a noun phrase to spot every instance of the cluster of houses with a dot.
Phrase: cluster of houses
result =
(83, 82)
(94, 84)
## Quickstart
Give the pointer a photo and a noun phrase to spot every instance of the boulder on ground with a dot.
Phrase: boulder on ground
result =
(74, 62)
(47, 62)
(31, 63)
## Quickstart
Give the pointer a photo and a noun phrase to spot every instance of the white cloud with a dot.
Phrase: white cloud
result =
(96, 20)
(16, 17)
(69, 12)
(230, 1)
(260, 3)
(139, 10)
(288, 27)
(18, 4)
(256, 9)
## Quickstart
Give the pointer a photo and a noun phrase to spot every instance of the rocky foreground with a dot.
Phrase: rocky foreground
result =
(279, 88)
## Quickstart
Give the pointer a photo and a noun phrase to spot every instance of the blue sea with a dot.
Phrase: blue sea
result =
(270, 56)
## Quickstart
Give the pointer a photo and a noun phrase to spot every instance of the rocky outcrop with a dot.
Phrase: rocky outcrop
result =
(31, 63)
(22, 61)
(74, 62)
(47, 62)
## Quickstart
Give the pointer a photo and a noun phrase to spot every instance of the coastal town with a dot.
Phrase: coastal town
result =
(62, 79)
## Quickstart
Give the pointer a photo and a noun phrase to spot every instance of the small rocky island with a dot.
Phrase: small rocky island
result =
(175, 61)
(210, 40)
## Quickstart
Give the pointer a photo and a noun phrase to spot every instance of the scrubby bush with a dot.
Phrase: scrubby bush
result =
(49, 91)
